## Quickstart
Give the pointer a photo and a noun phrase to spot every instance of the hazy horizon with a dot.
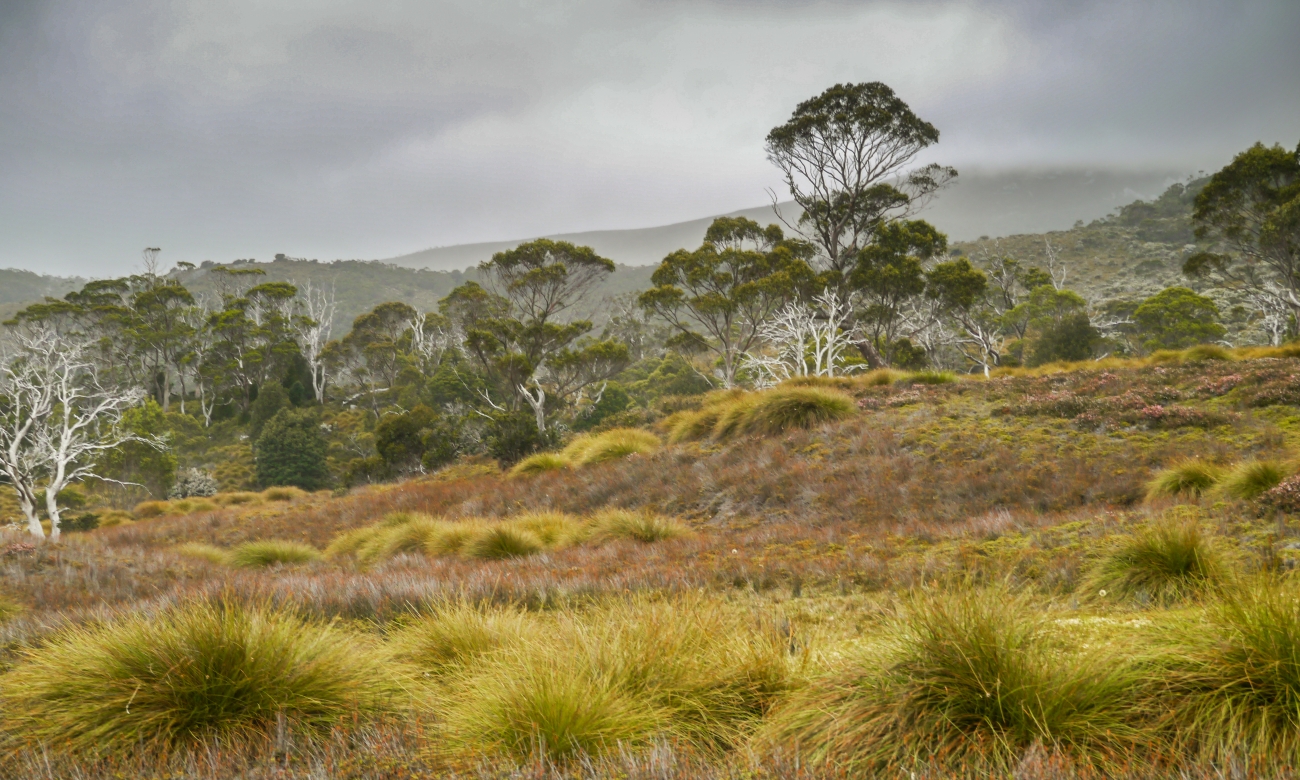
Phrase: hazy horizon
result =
(340, 129)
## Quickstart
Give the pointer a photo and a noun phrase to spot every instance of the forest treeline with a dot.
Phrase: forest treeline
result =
(136, 387)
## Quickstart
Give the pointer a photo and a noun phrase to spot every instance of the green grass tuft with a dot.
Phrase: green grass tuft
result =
(966, 681)
(269, 552)
(540, 462)
(612, 445)
(638, 526)
(1232, 678)
(206, 552)
(1165, 563)
(928, 378)
(199, 671)
(1252, 479)
(1203, 352)
(1188, 477)
(502, 541)
(351, 542)
(620, 676)
(9, 609)
(788, 408)
(458, 634)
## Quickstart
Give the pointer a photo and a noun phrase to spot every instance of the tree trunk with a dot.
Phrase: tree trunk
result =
(52, 509)
(28, 504)
(871, 354)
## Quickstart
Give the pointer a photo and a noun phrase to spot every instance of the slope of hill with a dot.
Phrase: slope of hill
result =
(980, 203)
(843, 594)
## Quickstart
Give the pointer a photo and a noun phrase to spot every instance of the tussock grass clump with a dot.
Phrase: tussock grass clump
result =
(692, 425)
(540, 462)
(611, 445)
(201, 670)
(1204, 352)
(269, 552)
(638, 526)
(187, 506)
(9, 609)
(552, 529)
(967, 681)
(458, 634)
(622, 675)
(238, 498)
(1188, 477)
(1165, 563)
(503, 540)
(115, 517)
(416, 535)
(1234, 676)
(206, 552)
(928, 377)
(286, 493)
(789, 408)
(880, 377)
(1252, 479)
(350, 542)
(732, 417)
(149, 509)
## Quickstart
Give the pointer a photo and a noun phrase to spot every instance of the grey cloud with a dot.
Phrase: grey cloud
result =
(349, 129)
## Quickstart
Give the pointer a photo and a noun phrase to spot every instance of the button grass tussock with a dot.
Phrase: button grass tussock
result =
(197, 671)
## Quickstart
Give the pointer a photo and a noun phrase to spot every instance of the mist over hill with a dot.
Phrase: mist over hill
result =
(979, 204)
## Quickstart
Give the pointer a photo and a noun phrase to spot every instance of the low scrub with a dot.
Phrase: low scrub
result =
(201, 670)
(966, 682)
(1252, 479)
(1186, 478)
(1165, 563)
(270, 552)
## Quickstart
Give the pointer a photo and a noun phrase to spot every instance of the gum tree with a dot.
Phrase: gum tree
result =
(718, 296)
(844, 155)
(1249, 213)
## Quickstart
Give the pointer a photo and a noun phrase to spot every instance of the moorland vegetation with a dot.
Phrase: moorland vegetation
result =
(828, 499)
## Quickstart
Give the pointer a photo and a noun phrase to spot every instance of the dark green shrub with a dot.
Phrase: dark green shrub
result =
(291, 451)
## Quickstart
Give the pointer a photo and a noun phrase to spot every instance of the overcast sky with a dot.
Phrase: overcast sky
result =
(222, 129)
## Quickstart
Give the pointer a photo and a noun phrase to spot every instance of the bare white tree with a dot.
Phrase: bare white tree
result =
(536, 399)
(1056, 267)
(201, 345)
(86, 423)
(431, 341)
(1275, 308)
(313, 331)
(57, 417)
(803, 340)
(28, 401)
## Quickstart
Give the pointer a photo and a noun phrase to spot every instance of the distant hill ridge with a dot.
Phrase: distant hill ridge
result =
(979, 204)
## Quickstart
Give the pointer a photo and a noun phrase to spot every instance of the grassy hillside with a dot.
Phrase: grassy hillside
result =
(1076, 571)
